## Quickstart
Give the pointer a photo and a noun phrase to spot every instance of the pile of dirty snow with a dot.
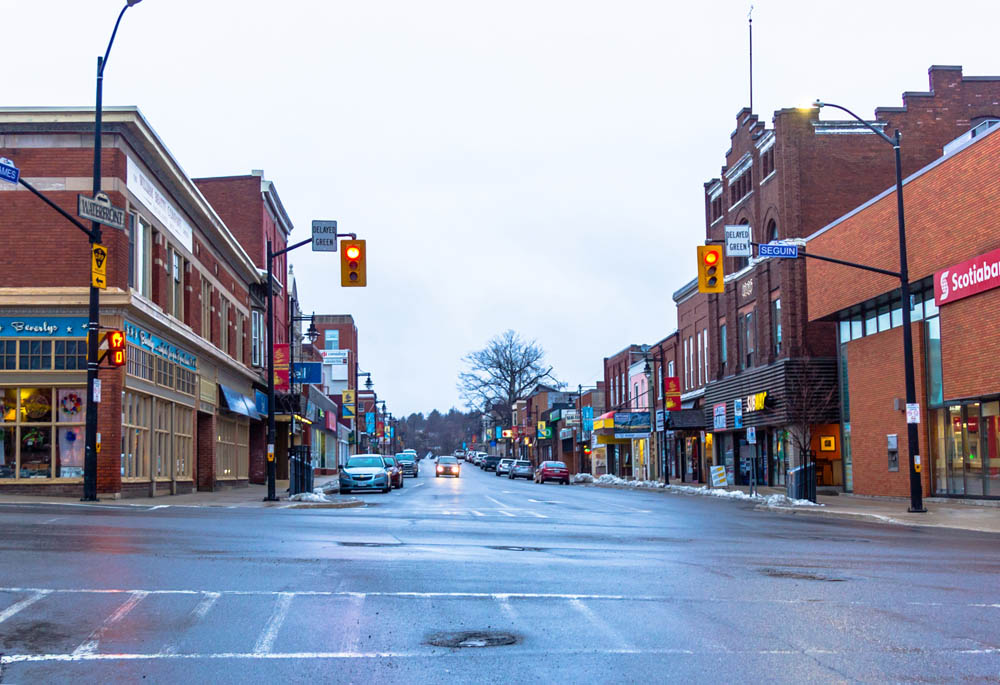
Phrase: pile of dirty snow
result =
(705, 491)
(581, 478)
(317, 496)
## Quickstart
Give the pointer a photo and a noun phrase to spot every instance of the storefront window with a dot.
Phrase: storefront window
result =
(953, 451)
(935, 389)
(38, 441)
(8, 355)
(939, 435)
(136, 427)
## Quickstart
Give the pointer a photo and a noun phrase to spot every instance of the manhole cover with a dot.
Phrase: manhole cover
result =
(472, 639)
(508, 548)
(798, 575)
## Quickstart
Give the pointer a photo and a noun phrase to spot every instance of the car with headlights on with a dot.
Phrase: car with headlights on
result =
(394, 471)
(552, 470)
(521, 469)
(364, 472)
(408, 463)
(448, 466)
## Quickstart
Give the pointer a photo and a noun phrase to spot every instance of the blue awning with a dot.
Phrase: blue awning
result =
(238, 403)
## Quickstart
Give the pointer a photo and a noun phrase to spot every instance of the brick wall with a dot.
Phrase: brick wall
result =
(969, 336)
(875, 371)
(205, 459)
(109, 425)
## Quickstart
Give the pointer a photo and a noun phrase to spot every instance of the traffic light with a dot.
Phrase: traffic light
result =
(353, 272)
(710, 279)
(116, 347)
(586, 450)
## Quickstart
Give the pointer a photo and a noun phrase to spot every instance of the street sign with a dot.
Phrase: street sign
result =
(324, 236)
(751, 435)
(347, 396)
(9, 172)
(738, 241)
(913, 413)
(310, 373)
(99, 267)
(100, 209)
(778, 250)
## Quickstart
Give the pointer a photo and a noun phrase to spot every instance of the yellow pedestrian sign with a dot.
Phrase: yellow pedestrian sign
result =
(99, 267)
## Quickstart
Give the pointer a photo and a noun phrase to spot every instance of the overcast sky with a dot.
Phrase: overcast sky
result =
(529, 165)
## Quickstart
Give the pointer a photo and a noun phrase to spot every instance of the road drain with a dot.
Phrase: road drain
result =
(505, 548)
(472, 638)
(798, 575)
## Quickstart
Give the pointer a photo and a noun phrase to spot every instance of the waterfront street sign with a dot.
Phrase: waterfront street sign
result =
(100, 209)
(778, 250)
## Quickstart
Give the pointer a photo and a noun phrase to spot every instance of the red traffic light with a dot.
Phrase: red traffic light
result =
(711, 257)
(353, 252)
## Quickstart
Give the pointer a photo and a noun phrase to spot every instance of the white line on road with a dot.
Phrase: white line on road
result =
(612, 634)
(417, 485)
(23, 604)
(89, 646)
(496, 501)
(158, 506)
(53, 520)
(270, 633)
(477, 513)
(536, 514)
(455, 654)
(197, 615)
(506, 513)
(508, 610)
(351, 622)
(546, 501)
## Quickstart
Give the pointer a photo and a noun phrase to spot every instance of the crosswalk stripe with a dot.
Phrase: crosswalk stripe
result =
(89, 646)
(23, 604)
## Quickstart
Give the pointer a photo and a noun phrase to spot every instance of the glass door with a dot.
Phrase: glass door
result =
(954, 450)
(973, 458)
(990, 430)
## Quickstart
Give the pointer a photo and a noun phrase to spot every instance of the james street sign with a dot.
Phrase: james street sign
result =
(9, 172)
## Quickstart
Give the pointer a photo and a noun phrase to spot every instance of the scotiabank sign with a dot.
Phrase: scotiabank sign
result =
(973, 276)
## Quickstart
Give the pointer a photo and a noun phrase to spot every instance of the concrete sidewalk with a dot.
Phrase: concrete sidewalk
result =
(977, 515)
(251, 496)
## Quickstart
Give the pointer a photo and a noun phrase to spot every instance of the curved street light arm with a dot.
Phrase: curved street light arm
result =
(895, 143)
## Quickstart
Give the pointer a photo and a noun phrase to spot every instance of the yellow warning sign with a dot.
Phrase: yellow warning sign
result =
(99, 267)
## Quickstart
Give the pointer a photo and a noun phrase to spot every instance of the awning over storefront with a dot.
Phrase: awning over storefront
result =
(238, 403)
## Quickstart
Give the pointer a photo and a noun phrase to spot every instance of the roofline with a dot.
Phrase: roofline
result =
(892, 189)
(130, 116)
(685, 290)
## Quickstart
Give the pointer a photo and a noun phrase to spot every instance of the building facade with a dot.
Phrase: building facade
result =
(785, 182)
(952, 207)
(177, 416)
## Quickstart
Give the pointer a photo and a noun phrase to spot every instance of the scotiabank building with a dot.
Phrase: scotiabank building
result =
(952, 213)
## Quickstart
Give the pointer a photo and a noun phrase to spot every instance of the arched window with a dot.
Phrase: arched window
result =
(772, 230)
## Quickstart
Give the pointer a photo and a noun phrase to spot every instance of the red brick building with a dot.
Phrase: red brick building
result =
(178, 415)
(786, 182)
(251, 209)
(952, 209)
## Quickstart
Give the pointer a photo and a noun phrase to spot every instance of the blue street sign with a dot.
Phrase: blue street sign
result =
(9, 172)
(777, 250)
(309, 372)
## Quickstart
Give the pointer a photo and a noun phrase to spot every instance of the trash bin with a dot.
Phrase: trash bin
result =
(299, 470)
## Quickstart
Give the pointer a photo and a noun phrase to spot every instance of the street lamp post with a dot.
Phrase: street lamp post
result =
(94, 323)
(912, 434)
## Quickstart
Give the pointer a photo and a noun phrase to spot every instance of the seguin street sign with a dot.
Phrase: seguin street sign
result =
(778, 250)
(100, 209)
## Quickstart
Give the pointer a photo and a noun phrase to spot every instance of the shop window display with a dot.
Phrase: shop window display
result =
(42, 433)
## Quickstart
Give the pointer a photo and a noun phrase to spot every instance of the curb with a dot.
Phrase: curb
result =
(819, 512)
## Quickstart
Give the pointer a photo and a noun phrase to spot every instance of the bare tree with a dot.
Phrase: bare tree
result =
(811, 399)
(506, 369)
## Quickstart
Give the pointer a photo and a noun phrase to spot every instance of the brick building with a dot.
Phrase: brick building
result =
(952, 208)
(251, 209)
(178, 415)
(786, 182)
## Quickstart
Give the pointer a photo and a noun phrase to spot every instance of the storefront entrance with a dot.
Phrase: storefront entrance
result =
(967, 458)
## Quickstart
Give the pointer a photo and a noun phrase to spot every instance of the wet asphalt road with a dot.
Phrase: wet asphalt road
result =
(592, 585)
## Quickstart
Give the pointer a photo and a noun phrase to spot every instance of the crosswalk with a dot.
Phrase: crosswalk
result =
(79, 625)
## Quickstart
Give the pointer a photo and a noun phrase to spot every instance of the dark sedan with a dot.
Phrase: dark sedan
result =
(408, 462)
(448, 466)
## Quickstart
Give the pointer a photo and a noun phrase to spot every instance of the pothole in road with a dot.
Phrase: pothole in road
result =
(472, 638)
(798, 575)
(508, 548)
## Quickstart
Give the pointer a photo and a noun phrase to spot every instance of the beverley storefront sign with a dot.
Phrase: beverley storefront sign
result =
(43, 326)
(970, 277)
